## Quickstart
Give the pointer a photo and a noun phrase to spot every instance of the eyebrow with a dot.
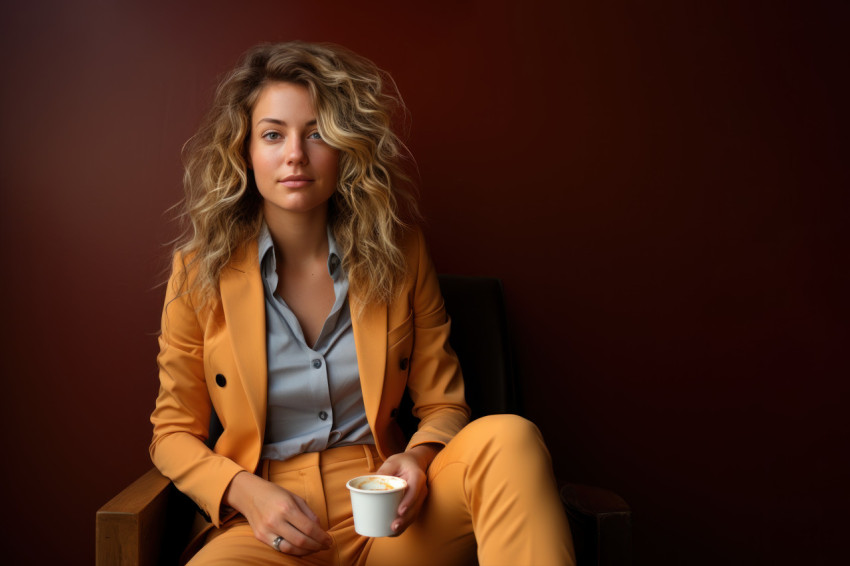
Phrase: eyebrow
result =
(312, 122)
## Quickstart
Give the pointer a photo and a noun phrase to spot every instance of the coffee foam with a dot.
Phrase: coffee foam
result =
(378, 483)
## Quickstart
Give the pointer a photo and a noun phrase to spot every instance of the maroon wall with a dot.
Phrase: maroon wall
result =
(662, 187)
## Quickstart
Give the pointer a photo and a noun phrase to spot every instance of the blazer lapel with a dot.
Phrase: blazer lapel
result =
(244, 312)
(370, 340)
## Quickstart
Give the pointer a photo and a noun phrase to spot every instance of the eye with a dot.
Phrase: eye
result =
(271, 136)
(315, 136)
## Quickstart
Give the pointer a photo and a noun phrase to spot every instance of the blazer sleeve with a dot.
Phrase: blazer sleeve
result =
(435, 380)
(182, 414)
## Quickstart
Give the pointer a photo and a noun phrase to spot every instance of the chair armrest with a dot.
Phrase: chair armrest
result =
(142, 525)
(601, 523)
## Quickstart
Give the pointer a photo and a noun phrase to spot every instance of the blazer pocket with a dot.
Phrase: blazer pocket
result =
(400, 333)
(400, 347)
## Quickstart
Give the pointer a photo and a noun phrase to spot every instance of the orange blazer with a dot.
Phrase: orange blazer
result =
(215, 357)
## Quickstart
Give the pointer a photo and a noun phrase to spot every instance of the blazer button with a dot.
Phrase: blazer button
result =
(220, 380)
(393, 413)
(403, 364)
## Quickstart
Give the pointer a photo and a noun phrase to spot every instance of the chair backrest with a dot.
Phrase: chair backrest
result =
(481, 340)
(480, 337)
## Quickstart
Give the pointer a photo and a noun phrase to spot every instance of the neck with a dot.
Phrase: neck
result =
(299, 238)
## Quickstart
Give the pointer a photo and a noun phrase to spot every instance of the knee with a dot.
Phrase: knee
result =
(510, 432)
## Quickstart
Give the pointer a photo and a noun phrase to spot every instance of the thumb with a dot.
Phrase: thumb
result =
(388, 468)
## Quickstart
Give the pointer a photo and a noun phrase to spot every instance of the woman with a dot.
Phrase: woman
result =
(299, 309)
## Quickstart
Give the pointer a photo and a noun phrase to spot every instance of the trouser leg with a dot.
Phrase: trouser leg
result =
(491, 491)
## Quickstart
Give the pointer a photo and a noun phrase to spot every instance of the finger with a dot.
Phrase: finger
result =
(302, 505)
(301, 528)
(408, 510)
(299, 540)
(287, 547)
(388, 468)
(408, 499)
(313, 528)
(415, 491)
(298, 525)
(306, 524)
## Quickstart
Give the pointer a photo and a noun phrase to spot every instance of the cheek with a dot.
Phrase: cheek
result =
(330, 162)
(261, 162)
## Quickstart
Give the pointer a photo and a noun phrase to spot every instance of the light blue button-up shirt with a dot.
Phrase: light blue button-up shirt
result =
(315, 401)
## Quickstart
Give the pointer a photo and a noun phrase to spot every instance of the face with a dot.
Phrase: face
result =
(295, 170)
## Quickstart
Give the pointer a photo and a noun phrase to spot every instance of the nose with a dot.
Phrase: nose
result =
(294, 149)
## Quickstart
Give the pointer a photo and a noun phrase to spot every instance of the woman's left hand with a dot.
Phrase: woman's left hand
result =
(411, 467)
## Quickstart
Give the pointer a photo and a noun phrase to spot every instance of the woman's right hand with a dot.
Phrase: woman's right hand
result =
(273, 511)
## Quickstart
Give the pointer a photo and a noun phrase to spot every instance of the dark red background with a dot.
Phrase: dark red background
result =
(662, 186)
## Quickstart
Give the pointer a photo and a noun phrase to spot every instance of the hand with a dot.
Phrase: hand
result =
(411, 467)
(273, 511)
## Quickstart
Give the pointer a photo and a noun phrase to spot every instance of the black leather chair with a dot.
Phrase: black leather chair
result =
(150, 522)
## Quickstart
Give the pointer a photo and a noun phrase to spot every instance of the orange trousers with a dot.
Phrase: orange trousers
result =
(491, 492)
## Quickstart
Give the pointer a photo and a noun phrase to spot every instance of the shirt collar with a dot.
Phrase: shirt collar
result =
(265, 246)
(334, 260)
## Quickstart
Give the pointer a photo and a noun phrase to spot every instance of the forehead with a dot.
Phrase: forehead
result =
(279, 100)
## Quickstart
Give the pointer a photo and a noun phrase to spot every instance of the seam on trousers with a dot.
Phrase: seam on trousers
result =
(369, 458)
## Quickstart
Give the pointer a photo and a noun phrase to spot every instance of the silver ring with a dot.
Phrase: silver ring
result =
(276, 543)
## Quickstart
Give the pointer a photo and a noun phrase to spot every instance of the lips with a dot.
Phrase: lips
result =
(296, 181)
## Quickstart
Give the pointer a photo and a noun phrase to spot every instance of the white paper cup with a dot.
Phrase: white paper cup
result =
(374, 502)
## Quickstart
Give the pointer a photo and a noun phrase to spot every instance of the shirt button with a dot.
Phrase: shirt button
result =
(403, 364)
(317, 363)
(323, 415)
(220, 380)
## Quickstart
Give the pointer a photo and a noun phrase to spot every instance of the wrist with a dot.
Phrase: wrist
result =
(424, 454)
(234, 495)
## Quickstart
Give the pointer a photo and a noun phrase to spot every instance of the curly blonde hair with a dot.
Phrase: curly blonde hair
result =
(356, 103)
